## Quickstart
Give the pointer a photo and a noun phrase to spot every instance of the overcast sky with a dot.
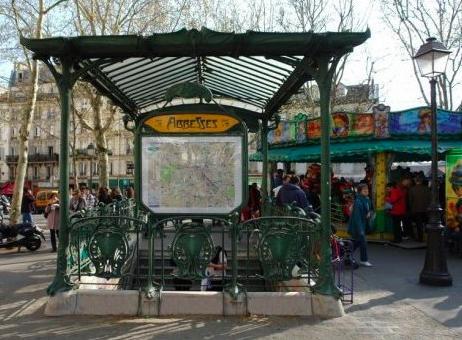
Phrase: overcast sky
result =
(392, 69)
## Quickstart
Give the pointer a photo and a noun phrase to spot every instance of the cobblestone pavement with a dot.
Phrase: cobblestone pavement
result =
(389, 304)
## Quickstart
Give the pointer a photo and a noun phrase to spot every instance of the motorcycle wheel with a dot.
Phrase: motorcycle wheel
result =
(33, 244)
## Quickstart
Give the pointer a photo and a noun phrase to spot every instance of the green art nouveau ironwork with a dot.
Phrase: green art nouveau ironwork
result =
(284, 242)
(104, 238)
(108, 251)
(192, 249)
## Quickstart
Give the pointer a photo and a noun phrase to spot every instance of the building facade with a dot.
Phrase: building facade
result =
(44, 142)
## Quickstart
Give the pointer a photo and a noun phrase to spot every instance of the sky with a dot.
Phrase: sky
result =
(393, 70)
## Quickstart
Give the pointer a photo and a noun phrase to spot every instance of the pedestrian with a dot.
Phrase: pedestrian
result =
(359, 223)
(397, 200)
(116, 195)
(419, 197)
(130, 192)
(52, 216)
(27, 206)
(90, 199)
(77, 202)
(291, 193)
(216, 271)
(103, 196)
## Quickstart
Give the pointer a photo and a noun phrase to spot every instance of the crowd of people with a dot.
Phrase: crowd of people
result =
(80, 199)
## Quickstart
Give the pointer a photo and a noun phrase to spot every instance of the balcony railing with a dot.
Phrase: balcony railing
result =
(35, 158)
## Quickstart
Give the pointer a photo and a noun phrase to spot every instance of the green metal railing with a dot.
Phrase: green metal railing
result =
(104, 243)
(274, 252)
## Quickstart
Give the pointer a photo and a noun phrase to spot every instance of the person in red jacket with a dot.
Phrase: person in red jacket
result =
(397, 199)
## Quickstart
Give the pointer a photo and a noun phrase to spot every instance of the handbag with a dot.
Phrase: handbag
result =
(370, 222)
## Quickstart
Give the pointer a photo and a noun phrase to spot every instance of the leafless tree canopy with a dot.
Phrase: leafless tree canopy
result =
(413, 22)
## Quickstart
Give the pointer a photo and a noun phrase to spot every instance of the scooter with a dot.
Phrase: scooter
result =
(21, 235)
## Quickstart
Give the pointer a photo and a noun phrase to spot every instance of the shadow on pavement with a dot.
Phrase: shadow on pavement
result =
(395, 277)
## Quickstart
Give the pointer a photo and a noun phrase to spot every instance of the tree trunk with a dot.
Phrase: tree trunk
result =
(21, 170)
(103, 159)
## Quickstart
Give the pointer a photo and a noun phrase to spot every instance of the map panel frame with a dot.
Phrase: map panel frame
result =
(172, 171)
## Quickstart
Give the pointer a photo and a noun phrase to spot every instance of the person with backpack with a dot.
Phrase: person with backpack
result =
(215, 272)
(359, 223)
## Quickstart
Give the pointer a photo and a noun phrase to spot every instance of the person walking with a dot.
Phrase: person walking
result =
(27, 206)
(52, 216)
(77, 202)
(397, 200)
(359, 222)
(419, 197)
(290, 193)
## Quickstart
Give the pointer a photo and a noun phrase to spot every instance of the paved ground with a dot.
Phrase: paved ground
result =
(389, 304)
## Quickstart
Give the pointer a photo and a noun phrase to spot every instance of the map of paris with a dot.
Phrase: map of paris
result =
(192, 174)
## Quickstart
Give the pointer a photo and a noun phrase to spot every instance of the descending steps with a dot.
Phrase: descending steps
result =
(249, 272)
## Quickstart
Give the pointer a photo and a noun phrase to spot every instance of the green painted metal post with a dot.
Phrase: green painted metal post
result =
(264, 151)
(61, 281)
(325, 284)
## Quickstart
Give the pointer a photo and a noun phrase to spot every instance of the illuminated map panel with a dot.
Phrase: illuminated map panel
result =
(192, 175)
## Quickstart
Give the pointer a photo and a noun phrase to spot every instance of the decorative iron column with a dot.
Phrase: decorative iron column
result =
(323, 77)
(65, 82)
(264, 152)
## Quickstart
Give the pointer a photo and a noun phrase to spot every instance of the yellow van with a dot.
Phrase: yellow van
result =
(42, 199)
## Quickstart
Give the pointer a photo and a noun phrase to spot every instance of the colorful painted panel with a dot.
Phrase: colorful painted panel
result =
(381, 121)
(313, 128)
(418, 121)
(285, 133)
(344, 125)
(300, 135)
(454, 191)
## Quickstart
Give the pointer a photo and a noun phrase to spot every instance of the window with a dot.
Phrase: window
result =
(82, 169)
(130, 168)
(50, 151)
(49, 172)
(128, 147)
(36, 150)
(2, 153)
(95, 168)
(13, 151)
(36, 172)
(37, 132)
(111, 169)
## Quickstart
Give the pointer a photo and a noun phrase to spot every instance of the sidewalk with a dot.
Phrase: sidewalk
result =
(389, 304)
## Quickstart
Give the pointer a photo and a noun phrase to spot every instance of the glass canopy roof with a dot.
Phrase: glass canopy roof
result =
(254, 71)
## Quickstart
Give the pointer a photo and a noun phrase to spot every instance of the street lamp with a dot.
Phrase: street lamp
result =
(91, 152)
(431, 59)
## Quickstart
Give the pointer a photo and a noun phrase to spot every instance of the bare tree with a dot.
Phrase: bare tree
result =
(320, 16)
(103, 18)
(414, 21)
(25, 18)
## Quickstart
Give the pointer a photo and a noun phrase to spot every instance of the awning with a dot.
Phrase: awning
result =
(404, 150)
(7, 189)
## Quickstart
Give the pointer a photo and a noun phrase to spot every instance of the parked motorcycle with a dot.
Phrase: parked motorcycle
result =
(21, 235)
(4, 206)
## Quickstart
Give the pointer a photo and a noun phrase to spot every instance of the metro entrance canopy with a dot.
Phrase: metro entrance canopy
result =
(259, 70)
(250, 74)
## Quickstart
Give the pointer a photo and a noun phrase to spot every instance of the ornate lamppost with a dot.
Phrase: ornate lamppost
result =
(431, 59)
(91, 152)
